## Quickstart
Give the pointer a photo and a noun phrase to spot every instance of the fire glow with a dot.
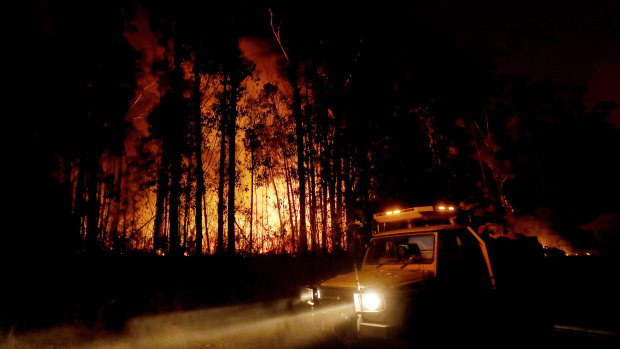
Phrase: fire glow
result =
(267, 212)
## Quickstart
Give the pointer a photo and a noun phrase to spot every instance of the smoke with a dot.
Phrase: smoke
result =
(141, 38)
(267, 60)
(275, 325)
(535, 227)
(606, 229)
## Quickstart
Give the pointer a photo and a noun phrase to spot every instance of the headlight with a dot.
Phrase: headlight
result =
(370, 302)
(307, 295)
(310, 295)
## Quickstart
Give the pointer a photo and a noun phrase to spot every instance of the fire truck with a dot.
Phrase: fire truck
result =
(422, 273)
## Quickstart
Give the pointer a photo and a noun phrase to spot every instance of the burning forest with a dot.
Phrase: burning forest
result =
(266, 128)
(275, 137)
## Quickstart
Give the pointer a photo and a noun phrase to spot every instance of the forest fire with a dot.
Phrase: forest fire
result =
(267, 196)
(172, 145)
(193, 143)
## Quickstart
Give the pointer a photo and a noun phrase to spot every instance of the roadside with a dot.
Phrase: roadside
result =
(75, 303)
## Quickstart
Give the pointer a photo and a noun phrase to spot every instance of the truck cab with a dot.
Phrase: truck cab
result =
(421, 270)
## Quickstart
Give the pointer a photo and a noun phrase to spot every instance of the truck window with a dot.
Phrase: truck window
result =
(417, 249)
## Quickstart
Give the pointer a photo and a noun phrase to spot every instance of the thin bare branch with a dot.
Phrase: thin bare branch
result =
(276, 33)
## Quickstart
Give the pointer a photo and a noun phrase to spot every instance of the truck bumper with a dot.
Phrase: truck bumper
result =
(332, 319)
(375, 330)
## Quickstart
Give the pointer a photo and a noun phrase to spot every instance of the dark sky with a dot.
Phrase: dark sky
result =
(572, 43)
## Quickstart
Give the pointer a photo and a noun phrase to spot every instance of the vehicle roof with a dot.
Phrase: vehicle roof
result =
(415, 230)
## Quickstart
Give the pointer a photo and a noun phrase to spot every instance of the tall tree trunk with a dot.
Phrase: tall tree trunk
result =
(327, 179)
(232, 130)
(363, 189)
(120, 243)
(348, 202)
(162, 193)
(204, 208)
(262, 236)
(330, 180)
(104, 215)
(337, 220)
(125, 213)
(263, 208)
(188, 194)
(291, 205)
(251, 197)
(175, 199)
(176, 149)
(301, 170)
(313, 228)
(79, 208)
(92, 222)
(165, 235)
(275, 188)
(310, 151)
(299, 132)
(220, 188)
(324, 205)
(200, 189)
(332, 210)
(74, 226)
(118, 201)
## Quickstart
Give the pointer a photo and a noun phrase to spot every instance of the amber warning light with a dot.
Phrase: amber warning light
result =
(413, 213)
(444, 208)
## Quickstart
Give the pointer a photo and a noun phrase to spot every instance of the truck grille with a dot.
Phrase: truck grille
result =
(332, 295)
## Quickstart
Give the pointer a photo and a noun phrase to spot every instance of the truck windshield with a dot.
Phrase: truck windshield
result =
(411, 223)
(415, 249)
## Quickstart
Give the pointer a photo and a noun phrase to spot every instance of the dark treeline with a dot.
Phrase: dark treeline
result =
(373, 108)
